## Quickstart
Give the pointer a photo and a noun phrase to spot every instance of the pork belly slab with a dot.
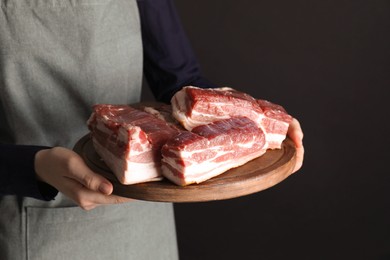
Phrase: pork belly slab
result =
(194, 106)
(209, 150)
(275, 123)
(129, 141)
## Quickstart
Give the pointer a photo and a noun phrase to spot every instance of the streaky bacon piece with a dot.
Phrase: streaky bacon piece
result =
(129, 141)
(194, 106)
(275, 123)
(210, 150)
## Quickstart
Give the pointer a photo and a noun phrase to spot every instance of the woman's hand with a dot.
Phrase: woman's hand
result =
(296, 135)
(66, 171)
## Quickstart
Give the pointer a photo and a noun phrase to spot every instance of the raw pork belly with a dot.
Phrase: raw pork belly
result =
(209, 150)
(129, 141)
(275, 123)
(194, 106)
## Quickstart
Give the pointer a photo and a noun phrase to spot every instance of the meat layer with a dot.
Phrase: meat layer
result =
(275, 123)
(129, 141)
(194, 106)
(209, 150)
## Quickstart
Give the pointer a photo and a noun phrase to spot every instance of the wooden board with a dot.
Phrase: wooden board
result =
(257, 175)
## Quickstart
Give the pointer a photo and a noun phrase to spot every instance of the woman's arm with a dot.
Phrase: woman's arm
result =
(17, 175)
(40, 172)
(169, 61)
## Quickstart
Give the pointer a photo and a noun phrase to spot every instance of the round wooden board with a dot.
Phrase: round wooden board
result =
(257, 175)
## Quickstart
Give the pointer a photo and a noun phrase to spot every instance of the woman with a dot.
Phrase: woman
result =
(58, 58)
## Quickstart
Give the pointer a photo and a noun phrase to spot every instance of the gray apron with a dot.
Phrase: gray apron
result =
(57, 59)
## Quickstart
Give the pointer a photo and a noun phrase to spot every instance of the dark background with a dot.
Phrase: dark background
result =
(328, 64)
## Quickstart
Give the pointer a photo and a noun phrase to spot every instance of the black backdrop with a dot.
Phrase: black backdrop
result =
(328, 64)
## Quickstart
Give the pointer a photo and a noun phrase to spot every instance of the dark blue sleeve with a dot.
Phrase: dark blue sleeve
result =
(169, 61)
(17, 175)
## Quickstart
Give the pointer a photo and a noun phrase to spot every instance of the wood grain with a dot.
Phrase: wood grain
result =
(257, 175)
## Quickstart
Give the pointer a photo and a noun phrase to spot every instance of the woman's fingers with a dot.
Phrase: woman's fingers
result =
(88, 199)
(296, 135)
(295, 132)
(80, 172)
(66, 171)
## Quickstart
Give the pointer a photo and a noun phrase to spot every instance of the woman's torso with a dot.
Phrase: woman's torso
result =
(57, 59)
